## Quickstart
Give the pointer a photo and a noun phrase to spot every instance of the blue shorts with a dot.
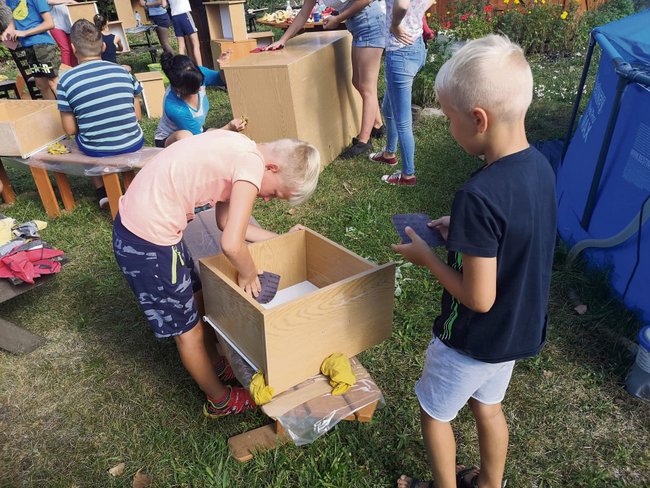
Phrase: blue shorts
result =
(183, 24)
(368, 27)
(162, 278)
(161, 20)
(450, 379)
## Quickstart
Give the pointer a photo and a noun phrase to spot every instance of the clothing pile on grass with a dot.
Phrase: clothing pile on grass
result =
(24, 256)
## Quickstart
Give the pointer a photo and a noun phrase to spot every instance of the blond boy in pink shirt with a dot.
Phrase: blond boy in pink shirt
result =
(226, 170)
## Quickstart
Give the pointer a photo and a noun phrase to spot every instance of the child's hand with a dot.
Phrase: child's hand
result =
(237, 125)
(296, 227)
(250, 284)
(441, 225)
(274, 46)
(331, 22)
(417, 251)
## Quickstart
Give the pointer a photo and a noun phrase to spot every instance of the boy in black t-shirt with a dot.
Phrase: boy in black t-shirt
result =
(500, 238)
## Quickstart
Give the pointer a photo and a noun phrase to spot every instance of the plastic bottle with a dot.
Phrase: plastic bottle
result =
(138, 19)
(289, 9)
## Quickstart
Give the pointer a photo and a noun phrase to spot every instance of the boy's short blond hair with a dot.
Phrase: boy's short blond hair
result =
(299, 167)
(491, 73)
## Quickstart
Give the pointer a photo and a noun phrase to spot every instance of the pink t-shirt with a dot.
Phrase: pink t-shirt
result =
(190, 173)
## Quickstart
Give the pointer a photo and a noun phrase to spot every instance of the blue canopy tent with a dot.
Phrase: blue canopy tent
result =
(603, 180)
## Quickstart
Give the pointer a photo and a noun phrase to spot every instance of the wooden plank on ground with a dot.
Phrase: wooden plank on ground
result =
(243, 446)
(18, 340)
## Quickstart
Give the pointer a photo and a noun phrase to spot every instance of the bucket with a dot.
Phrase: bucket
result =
(157, 67)
(638, 379)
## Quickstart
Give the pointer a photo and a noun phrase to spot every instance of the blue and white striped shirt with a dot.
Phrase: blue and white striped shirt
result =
(100, 94)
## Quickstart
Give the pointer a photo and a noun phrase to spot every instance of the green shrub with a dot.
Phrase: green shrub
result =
(438, 52)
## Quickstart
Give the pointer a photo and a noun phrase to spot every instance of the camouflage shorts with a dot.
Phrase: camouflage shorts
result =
(44, 60)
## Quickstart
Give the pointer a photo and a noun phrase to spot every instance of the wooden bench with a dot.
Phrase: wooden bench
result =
(77, 163)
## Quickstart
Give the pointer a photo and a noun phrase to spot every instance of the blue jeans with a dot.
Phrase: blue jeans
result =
(401, 67)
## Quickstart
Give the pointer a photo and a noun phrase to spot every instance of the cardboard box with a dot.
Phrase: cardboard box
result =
(153, 92)
(27, 126)
(349, 311)
(226, 20)
(303, 91)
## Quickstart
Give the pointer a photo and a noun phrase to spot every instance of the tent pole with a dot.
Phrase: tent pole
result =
(604, 149)
(576, 105)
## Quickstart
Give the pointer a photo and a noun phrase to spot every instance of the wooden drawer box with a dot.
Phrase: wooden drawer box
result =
(27, 126)
(303, 91)
(349, 310)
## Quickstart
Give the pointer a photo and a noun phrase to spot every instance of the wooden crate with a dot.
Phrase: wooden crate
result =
(303, 91)
(240, 49)
(350, 311)
(27, 126)
(82, 10)
(226, 20)
(153, 92)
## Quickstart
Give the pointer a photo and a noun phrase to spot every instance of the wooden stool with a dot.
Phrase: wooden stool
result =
(8, 194)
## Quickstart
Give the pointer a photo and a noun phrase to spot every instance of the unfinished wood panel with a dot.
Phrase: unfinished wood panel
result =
(153, 92)
(303, 91)
(65, 191)
(240, 49)
(244, 446)
(8, 194)
(351, 313)
(45, 191)
(124, 11)
(82, 10)
(18, 120)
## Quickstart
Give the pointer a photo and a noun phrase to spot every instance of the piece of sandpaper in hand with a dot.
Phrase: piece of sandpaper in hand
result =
(257, 50)
(418, 222)
(269, 283)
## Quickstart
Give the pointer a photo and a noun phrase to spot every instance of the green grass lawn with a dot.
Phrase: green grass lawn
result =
(103, 391)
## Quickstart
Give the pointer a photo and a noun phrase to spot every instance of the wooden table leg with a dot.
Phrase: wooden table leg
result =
(45, 190)
(8, 194)
(65, 191)
(127, 178)
(113, 191)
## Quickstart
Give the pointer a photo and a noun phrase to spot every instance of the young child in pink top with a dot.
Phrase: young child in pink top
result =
(226, 170)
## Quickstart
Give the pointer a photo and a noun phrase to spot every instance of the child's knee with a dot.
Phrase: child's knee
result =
(485, 411)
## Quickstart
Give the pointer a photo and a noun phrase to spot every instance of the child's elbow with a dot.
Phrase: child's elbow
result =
(481, 304)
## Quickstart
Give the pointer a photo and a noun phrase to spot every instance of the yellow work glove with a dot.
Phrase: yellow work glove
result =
(5, 230)
(261, 393)
(338, 368)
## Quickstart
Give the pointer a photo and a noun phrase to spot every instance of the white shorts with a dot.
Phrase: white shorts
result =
(450, 379)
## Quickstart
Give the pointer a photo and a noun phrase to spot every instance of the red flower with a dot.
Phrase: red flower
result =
(488, 9)
(464, 17)
(447, 25)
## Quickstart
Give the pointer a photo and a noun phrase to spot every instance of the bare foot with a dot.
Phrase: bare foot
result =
(467, 477)
(224, 58)
(406, 482)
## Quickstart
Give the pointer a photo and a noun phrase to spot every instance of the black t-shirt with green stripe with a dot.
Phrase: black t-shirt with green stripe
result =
(505, 210)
